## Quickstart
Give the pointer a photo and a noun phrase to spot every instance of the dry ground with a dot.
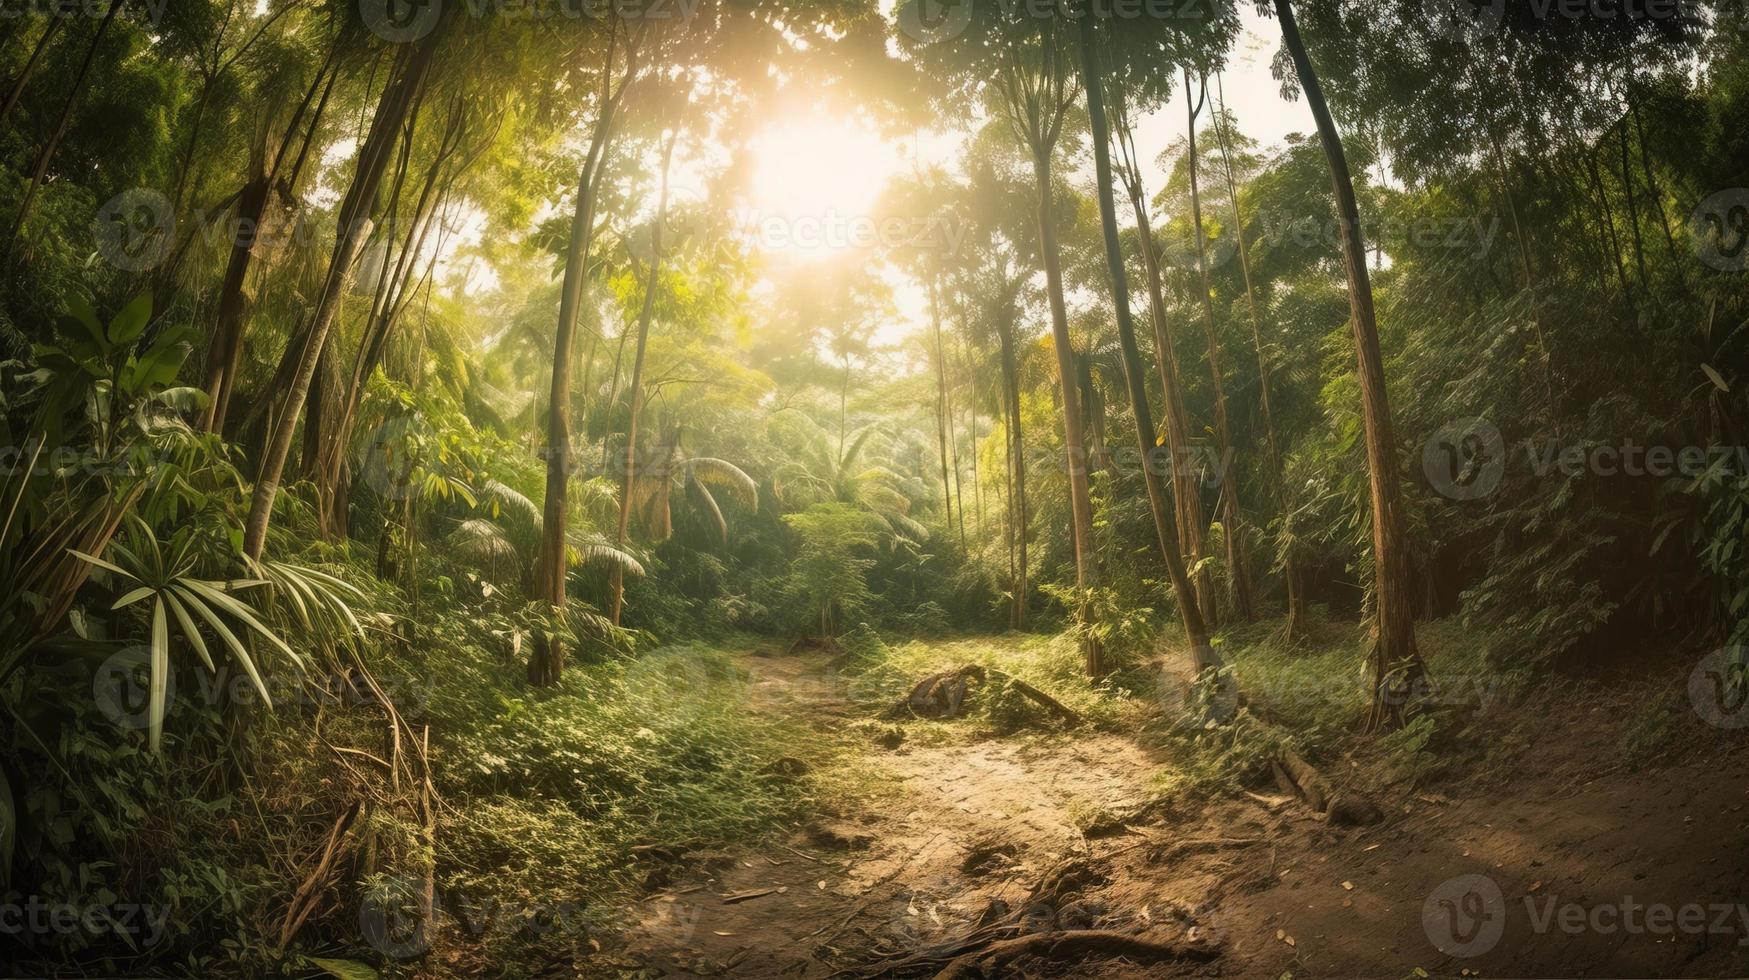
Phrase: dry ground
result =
(1601, 869)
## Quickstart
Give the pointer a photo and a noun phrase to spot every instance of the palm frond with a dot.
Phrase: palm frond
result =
(503, 498)
(596, 548)
(908, 528)
(481, 542)
(708, 504)
(721, 472)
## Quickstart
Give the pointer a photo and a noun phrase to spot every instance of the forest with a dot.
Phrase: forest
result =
(874, 488)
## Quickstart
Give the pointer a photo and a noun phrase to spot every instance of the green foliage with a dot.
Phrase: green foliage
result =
(829, 569)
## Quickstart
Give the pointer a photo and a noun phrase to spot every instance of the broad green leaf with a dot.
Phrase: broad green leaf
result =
(127, 325)
(80, 310)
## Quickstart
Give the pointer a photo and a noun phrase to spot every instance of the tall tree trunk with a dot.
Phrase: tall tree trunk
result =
(941, 420)
(1238, 580)
(397, 289)
(635, 394)
(1186, 494)
(1627, 184)
(1166, 536)
(76, 90)
(1074, 444)
(1397, 668)
(24, 74)
(1608, 223)
(1295, 626)
(547, 661)
(972, 430)
(354, 230)
(225, 355)
(1016, 465)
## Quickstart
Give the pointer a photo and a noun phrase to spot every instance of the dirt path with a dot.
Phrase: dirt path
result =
(961, 831)
(957, 827)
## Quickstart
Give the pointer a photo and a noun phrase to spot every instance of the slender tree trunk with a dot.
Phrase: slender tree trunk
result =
(1627, 183)
(636, 391)
(1074, 444)
(76, 90)
(398, 288)
(225, 356)
(1295, 626)
(546, 663)
(977, 495)
(1186, 495)
(941, 420)
(1608, 223)
(24, 74)
(1016, 465)
(1166, 536)
(1238, 580)
(1657, 195)
(354, 230)
(1397, 668)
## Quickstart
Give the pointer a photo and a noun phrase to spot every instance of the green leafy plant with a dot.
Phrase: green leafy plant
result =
(165, 574)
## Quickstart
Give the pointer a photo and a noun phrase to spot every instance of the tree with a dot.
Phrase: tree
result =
(829, 571)
(1238, 580)
(412, 70)
(547, 660)
(1166, 534)
(652, 281)
(1295, 626)
(1395, 660)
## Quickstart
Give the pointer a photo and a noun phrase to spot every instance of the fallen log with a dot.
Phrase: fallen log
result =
(944, 694)
(1298, 777)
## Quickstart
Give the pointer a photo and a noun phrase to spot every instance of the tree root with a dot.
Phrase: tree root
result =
(1074, 945)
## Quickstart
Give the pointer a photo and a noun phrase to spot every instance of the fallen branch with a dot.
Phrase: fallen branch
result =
(1297, 777)
(310, 893)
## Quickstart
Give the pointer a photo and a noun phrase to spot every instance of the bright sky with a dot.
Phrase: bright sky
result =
(816, 180)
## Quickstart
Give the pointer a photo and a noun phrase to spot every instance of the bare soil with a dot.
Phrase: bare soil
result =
(1601, 870)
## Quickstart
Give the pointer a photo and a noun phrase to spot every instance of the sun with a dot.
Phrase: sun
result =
(814, 184)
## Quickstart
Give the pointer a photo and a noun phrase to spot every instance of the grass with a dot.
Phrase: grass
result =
(557, 792)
